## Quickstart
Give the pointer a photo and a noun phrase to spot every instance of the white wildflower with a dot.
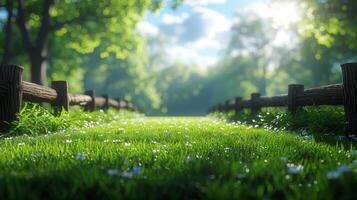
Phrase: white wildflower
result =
(68, 141)
(188, 159)
(80, 156)
(121, 130)
(294, 169)
(333, 174)
(241, 175)
(354, 152)
(343, 168)
(112, 172)
(284, 159)
(136, 170)
(21, 144)
(339, 171)
(127, 174)
(354, 162)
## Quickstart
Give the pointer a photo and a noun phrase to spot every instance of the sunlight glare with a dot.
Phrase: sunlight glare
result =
(284, 14)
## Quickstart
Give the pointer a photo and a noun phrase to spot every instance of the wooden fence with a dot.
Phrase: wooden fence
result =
(337, 94)
(13, 90)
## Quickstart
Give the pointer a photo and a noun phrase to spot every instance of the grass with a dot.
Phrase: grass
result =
(319, 121)
(127, 156)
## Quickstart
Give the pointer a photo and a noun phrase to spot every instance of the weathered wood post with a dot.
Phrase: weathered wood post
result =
(237, 106)
(126, 104)
(91, 105)
(118, 100)
(349, 75)
(62, 101)
(106, 104)
(255, 108)
(11, 98)
(293, 91)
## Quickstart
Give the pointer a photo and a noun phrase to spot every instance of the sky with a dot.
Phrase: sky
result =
(198, 31)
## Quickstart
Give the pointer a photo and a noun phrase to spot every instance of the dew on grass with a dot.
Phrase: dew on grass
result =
(21, 144)
(68, 141)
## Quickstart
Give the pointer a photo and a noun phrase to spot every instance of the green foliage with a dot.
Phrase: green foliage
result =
(95, 45)
(36, 120)
(319, 121)
(173, 158)
(331, 23)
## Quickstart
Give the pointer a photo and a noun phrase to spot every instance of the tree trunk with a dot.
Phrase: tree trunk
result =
(36, 50)
(38, 69)
(264, 81)
(8, 33)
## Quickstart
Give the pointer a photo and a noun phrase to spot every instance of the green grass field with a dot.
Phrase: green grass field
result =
(128, 156)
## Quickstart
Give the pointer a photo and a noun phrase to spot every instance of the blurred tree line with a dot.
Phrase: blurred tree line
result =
(94, 45)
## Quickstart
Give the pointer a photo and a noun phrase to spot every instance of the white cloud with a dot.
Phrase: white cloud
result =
(188, 55)
(191, 35)
(171, 19)
(147, 28)
(203, 2)
(282, 14)
(280, 18)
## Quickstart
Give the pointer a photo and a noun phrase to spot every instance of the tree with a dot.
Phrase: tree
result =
(252, 37)
(83, 24)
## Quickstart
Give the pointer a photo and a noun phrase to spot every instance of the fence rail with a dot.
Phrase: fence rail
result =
(337, 94)
(13, 91)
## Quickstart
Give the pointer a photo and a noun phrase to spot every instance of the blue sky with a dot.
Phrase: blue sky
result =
(197, 31)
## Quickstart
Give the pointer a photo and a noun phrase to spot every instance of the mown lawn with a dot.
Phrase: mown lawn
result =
(178, 158)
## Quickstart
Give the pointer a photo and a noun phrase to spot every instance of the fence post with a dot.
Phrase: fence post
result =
(237, 107)
(62, 101)
(126, 106)
(349, 75)
(106, 104)
(293, 91)
(91, 105)
(118, 100)
(254, 97)
(10, 102)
